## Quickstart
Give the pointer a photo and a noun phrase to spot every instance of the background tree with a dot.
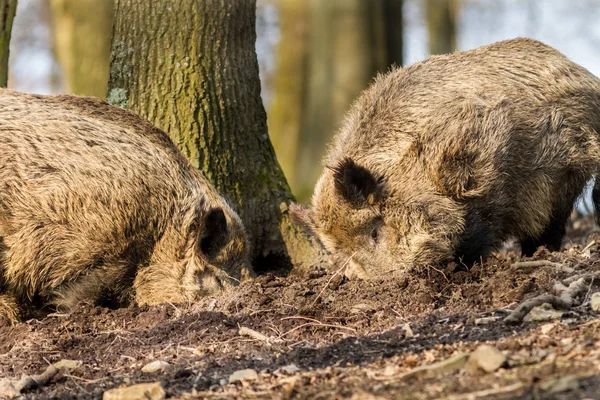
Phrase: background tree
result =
(8, 9)
(350, 41)
(82, 30)
(191, 69)
(287, 105)
(441, 25)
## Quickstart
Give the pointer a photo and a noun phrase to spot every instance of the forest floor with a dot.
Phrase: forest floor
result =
(320, 336)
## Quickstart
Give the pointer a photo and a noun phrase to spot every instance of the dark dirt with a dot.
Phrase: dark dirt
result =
(334, 338)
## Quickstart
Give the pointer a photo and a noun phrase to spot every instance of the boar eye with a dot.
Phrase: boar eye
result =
(374, 235)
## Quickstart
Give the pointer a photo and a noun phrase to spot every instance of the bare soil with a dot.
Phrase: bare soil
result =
(328, 337)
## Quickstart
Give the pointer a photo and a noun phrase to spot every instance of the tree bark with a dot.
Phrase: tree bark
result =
(287, 105)
(441, 25)
(190, 67)
(8, 9)
(82, 30)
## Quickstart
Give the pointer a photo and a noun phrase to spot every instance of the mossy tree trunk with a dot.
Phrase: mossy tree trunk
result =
(287, 105)
(190, 67)
(8, 10)
(441, 25)
(82, 32)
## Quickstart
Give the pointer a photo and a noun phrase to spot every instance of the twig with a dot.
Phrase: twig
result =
(28, 382)
(333, 276)
(488, 392)
(543, 263)
(441, 272)
(587, 246)
(257, 335)
(319, 325)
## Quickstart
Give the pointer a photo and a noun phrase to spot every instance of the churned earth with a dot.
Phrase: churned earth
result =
(318, 335)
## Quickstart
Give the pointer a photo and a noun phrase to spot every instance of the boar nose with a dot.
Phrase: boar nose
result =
(356, 271)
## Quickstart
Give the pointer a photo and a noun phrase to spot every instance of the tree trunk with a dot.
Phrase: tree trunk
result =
(287, 105)
(8, 9)
(392, 22)
(441, 25)
(190, 68)
(82, 30)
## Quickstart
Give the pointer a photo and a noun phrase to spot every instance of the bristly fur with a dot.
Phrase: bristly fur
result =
(97, 204)
(475, 147)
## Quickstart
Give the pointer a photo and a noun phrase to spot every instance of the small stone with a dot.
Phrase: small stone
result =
(243, 375)
(562, 384)
(546, 328)
(286, 370)
(8, 390)
(408, 332)
(142, 391)
(437, 370)
(156, 366)
(360, 308)
(486, 358)
(542, 313)
(486, 320)
(595, 300)
(390, 370)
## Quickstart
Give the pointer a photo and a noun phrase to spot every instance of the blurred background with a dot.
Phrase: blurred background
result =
(315, 56)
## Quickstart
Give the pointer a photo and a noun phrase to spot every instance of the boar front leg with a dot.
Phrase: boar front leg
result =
(554, 232)
(9, 309)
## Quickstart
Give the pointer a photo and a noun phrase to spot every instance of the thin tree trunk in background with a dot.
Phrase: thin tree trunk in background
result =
(8, 9)
(190, 67)
(287, 104)
(441, 25)
(82, 34)
(392, 18)
(344, 56)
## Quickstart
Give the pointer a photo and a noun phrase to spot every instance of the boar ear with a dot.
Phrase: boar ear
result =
(356, 184)
(214, 232)
(302, 216)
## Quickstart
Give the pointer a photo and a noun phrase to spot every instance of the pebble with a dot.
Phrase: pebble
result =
(546, 328)
(156, 366)
(542, 313)
(287, 370)
(243, 375)
(438, 369)
(595, 300)
(486, 320)
(486, 358)
(142, 391)
(8, 390)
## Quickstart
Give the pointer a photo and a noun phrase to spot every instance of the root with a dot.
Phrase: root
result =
(565, 299)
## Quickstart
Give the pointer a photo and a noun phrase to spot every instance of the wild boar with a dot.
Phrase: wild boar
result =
(97, 204)
(449, 157)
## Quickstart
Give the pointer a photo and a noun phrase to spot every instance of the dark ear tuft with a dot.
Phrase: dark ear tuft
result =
(302, 216)
(356, 184)
(214, 232)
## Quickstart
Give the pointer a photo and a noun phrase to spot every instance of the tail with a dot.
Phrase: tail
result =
(596, 198)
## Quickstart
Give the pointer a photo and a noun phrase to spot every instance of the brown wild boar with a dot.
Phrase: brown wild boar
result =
(451, 156)
(97, 204)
